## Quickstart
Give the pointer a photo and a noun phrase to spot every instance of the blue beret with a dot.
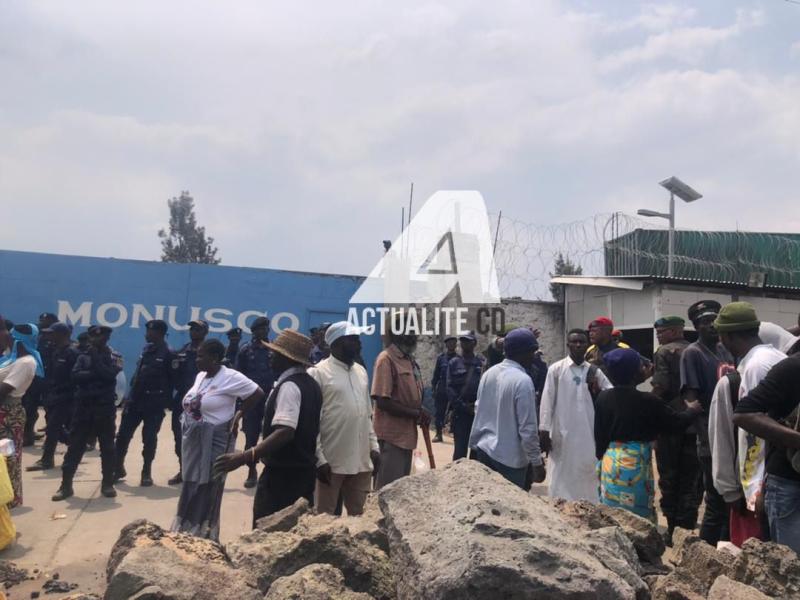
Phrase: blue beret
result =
(519, 340)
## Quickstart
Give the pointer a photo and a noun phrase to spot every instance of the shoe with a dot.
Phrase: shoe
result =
(90, 448)
(147, 479)
(119, 472)
(41, 465)
(38, 436)
(252, 479)
(28, 441)
(64, 492)
(437, 438)
(177, 480)
(107, 489)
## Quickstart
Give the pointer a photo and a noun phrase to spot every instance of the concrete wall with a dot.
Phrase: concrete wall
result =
(545, 316)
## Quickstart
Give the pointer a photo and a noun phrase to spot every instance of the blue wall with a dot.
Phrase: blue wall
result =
(124, 294)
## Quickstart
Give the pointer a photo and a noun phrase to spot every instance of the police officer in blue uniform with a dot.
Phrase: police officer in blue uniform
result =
(35, 395)
(60, 393)
(439, 383)
(95, 377)
(150, 393)
(463, 377)
(184, 366)
(232, 349)
(254, 362)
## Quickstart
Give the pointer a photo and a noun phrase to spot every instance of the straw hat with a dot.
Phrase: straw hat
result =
(293, 345)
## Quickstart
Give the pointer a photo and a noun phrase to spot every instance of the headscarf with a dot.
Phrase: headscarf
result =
(622, 365)
(29, 342)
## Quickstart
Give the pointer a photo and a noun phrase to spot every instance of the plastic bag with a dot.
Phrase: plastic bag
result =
(420, 466)
(6, 489)
(7, 447)
(8, 532)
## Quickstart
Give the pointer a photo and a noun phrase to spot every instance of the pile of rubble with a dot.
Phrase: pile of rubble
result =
(458, 532)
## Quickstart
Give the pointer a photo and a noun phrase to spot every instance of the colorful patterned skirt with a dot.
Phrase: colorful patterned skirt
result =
(12, 425)
(626, 478)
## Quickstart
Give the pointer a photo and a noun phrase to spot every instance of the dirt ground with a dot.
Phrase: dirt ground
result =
(73, 538)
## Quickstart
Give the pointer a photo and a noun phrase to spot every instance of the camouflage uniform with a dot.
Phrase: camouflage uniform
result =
(676, 453)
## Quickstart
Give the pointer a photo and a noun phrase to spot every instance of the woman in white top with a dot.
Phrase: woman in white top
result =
(17, 370)
(208, 425)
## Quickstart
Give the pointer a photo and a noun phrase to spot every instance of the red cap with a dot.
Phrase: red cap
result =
(601, 322)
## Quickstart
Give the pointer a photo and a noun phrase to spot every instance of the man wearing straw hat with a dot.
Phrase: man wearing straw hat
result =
(291, 425)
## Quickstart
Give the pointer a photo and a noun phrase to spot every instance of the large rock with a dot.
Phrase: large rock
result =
(697, 567)
(314, 582)
(771, 568)
(465, 532)
(668, 587)
(344, 543)
(148, 563)
(645, 536)
(285, 519)
(727, 589)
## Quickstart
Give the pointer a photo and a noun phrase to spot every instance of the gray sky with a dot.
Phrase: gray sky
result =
(298, 127)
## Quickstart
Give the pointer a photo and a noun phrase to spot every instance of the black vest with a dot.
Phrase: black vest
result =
(301, 452)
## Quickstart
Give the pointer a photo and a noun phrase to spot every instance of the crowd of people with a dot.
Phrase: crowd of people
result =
(721, 418)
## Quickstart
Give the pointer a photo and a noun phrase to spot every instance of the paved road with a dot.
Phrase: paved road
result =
(74, 537)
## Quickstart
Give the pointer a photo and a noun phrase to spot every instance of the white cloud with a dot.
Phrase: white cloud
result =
(684, 44)
(298, 131)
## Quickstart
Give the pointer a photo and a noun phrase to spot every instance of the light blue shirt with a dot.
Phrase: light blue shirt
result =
(505, 424)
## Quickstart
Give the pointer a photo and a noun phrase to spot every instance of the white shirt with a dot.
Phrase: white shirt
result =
(567, 412)
(753, 368)
(213, 399)
(287, 404)
(346, 435)
(19, 375)
(505, 424)
(721, 439)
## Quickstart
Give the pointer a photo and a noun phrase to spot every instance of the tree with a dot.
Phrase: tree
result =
(186, 242)
(563, 266)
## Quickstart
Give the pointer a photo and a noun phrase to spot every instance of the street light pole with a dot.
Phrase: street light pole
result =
(675, 187)
(671, 241)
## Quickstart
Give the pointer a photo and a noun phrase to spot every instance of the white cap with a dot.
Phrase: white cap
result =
(341, 329)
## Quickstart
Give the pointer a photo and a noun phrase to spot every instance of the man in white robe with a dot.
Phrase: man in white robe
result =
(567, 422)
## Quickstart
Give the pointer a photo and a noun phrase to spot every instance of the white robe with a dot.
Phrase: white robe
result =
(567, 412)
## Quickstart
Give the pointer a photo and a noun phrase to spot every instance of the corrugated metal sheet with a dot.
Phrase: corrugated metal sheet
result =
(729, 257)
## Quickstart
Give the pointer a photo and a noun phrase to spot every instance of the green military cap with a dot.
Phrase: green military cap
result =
(670, 321)
(737, 316)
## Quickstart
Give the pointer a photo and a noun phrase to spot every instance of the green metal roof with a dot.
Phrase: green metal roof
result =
(730, 257)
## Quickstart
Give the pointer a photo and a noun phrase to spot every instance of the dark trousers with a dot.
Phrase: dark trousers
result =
(281, 487)
(462, 425)
(517, 476)
(679, 479)
(59, 417)
(252, 423)
(177, 411)
(715, 526)
(441, 412)
(150, 418)
(85, 421)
